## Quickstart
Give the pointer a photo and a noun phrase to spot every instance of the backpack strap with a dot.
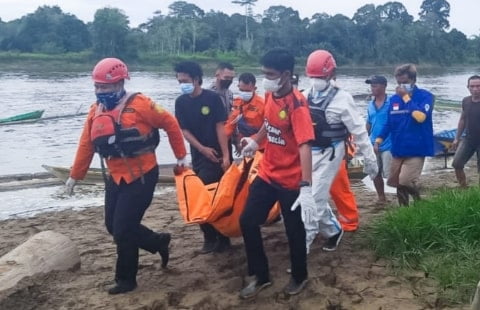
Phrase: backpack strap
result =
(125, 104)
(331, 94)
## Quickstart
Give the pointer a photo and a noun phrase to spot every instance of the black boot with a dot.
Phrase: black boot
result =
(208, 246)
(412, 190)
(122, 287)
(223, 244)
(402, 195)
(163, 250)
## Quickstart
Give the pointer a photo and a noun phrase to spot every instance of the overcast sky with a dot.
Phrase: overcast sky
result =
(464, 14)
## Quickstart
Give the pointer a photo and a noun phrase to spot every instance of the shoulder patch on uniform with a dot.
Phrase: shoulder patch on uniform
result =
(158, 108)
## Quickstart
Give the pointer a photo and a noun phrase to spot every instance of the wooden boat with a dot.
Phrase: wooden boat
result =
(441, 104)
(30, 116)
(443, 143)
(446, 104)
(94, 175)
(27, 121)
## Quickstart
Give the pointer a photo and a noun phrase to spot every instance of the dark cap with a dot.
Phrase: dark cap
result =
(377, 79)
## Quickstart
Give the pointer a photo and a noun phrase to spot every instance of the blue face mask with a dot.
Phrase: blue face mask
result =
(111, 99)
(187, 88)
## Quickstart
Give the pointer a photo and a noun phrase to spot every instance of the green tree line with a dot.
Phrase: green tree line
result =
(376, 35)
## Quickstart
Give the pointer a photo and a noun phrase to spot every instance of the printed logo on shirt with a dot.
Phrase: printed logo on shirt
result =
(427, 107)
(205, 110)
(274, 135)
(282, 114)
(128, 110)
(395, 106)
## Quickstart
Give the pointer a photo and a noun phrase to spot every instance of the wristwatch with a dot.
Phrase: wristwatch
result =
(304, 183)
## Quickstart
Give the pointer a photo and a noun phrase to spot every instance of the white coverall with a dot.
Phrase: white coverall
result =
(341, 109)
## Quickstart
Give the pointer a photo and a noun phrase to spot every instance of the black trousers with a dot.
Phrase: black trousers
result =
(260, 200)
(125, 205)
(210, 172)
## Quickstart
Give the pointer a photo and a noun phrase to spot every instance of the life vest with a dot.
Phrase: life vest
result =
(110, 139)
(325, 134)
(245, 129)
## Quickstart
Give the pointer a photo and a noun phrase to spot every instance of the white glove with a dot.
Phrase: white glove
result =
(249, 147)
(182, 162)
(307, 203)
(69, 185)
(370, 167)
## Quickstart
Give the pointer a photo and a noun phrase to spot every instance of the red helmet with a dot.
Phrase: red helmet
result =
(110, 70)
(320, 64)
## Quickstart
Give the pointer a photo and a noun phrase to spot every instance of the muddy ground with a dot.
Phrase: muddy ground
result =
(350, 278)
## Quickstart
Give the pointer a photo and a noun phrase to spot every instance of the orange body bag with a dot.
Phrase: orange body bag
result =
(220, 204)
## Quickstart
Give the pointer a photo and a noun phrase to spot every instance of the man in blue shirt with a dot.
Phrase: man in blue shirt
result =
(411, 130)
(377, 116)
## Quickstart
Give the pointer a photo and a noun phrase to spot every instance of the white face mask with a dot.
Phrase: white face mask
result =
(319, 85)
(245, 95)
(408, 87)
(271, 85)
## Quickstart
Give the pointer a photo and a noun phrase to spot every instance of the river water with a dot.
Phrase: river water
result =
(25, 147)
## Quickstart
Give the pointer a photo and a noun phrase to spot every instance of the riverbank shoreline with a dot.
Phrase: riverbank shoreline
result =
(83, 62)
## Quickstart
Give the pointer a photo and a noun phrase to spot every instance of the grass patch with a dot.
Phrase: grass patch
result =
(439, 236)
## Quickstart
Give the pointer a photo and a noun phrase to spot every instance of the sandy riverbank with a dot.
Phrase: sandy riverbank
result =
(350, 278)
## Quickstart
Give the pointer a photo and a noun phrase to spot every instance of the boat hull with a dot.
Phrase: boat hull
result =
(95, 176)
(23, 117)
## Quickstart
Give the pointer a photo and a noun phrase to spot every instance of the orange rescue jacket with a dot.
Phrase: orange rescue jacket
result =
(143, 114)
(252, 113)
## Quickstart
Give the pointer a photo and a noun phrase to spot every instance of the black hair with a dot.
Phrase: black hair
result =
(278, 59)
(247, 78)
(191, 68)
(473, 77)
(407, 69)
(225, 65)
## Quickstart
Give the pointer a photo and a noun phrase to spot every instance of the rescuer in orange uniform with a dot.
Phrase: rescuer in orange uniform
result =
(122, 128)
(248, 111)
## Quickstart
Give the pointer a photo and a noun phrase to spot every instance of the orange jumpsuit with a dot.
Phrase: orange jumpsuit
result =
(344, 199)
(246, 118)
